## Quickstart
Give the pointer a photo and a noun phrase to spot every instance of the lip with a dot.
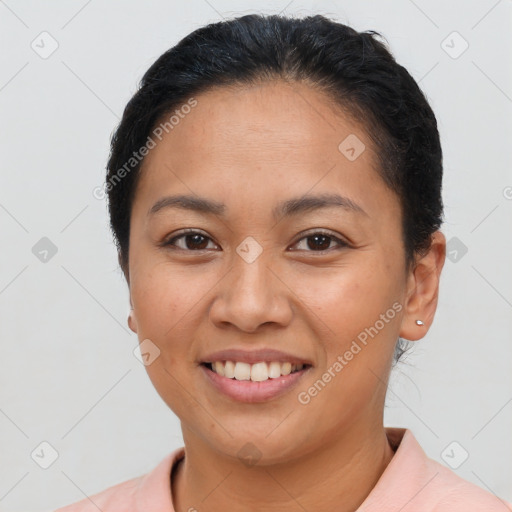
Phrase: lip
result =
(254, 356)
(252, 392)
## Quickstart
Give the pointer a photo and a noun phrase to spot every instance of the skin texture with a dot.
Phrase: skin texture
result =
(251, 148)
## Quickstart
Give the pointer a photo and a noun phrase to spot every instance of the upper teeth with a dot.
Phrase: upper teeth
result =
(256, 372)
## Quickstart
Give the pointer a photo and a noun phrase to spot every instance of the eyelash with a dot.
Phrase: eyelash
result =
(170, 242)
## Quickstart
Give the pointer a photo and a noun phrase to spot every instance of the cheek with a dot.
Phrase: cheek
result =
(346, 299)
(355, 311)
(167, 302)
(358, 348)
(163, 300)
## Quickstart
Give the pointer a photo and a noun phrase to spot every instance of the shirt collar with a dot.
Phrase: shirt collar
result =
(154, 492)
(404, 478)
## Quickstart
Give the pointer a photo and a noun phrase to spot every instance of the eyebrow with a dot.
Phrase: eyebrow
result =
(286, 208)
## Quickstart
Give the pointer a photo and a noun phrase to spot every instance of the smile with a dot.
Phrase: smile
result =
(257, 372)
(251, 383)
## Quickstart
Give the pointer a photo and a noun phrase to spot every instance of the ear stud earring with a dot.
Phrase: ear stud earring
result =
(419, 322)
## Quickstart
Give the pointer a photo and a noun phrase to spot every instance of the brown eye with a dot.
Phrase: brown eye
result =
(320, 241)
(191, 241)
(196, 241)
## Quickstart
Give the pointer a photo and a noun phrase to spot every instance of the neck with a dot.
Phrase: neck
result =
(337, 476)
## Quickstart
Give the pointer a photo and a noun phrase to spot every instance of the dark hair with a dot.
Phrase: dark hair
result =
(357, 71)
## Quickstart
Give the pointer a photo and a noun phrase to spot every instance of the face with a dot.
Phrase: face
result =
(288, 250)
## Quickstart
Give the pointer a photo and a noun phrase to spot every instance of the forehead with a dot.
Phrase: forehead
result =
(264, 140)
(265, 118)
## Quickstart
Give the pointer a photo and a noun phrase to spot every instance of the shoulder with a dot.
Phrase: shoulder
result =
(117, 497)
(452, 493)
(413, 482)
(149, 492)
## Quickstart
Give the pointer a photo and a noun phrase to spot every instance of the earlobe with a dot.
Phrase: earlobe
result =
(132, 322)
(423, 290)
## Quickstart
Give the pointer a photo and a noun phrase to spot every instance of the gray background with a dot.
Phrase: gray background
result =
(68, 375)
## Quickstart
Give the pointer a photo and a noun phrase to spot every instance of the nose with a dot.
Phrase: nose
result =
(252, 295)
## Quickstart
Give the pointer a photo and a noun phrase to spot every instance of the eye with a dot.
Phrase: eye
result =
(192, 240)
(320, 241)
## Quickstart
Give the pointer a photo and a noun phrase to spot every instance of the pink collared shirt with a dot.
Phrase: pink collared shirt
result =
(411, 482)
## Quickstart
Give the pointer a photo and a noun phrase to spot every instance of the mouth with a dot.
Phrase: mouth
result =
(257, 382)
(257, 372)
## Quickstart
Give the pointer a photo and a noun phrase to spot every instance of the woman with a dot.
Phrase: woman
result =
(275, 197)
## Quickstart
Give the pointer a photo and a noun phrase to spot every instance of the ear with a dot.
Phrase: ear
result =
(423, 290)
(132, 320)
